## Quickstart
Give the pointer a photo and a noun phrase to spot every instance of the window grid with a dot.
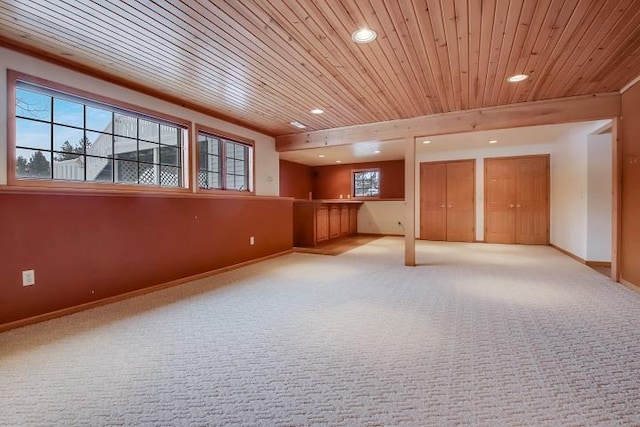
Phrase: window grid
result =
(237, 169)
(209, 170)
(223, 164)
(90, 152)
(366, 183)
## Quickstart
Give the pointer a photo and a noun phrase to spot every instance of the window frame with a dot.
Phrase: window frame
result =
(353, 184)
(225, 136)
(91, 99)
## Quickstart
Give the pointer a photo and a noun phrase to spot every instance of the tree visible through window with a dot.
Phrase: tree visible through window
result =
(366, 183)
(64, 137)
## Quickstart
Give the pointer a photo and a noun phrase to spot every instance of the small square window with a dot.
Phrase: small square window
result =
(366, 183)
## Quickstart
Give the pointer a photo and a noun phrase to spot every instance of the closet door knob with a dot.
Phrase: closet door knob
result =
(511, 205)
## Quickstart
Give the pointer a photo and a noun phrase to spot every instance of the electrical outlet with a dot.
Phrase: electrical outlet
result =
(252, 241)
(28, 278)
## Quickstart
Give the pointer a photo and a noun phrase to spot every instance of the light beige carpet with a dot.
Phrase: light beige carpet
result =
(478, 334)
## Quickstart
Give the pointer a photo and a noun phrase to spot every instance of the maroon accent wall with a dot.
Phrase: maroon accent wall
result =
(331, 181)
(296, 180)
(85, 248)
(630, 191)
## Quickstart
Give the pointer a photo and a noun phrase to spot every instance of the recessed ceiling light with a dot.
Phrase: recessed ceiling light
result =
(517, 78)
(493, 141)
(376, 152)
(338, 161)
(364, 35)
(316, 111)
(321, 155)
(298, 125)
(426, 141)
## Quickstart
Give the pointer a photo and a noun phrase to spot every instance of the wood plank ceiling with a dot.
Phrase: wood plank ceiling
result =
(265, 63)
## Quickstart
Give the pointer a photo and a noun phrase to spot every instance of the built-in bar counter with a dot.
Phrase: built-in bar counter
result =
(316, 221)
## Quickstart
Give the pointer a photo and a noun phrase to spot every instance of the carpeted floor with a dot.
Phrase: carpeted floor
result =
(478, 334)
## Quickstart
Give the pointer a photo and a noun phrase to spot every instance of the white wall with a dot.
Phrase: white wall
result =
(569, 194)
(382, 217)
(571, 166)
(599, 207)
(479, 155)
(581, 191)
(266, 168)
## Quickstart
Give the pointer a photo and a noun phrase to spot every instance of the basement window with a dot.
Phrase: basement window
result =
(63, 137)
(224, 162)
(366, 183)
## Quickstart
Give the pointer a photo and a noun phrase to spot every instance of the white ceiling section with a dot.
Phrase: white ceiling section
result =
(358, 152)
(529, 135)
(394, 150)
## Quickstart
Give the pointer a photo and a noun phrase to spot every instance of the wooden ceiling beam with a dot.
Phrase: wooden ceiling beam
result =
(561, 110)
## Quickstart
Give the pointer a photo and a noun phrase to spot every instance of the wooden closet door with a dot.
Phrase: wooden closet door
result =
(433, 189)
(500, 196)
(460, 201)
(532, 201)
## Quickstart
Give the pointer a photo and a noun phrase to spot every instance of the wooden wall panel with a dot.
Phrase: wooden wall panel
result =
(296, 180)
(322, 224)
(616, 199)
(630, 191)
(334, 221)
(84, 248)
(332, 181)
(344, 220)
(304, 224)
(353, 220)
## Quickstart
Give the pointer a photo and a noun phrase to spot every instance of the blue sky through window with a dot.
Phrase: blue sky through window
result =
(51, 128)
(33, 134)
(33, 105)
(37, 106)
(68, 113)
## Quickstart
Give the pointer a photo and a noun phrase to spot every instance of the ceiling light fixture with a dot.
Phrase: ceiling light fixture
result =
(517, 78)
(493, 141)
(426, 141)
(338, 161)
(376, 152)
(321, 155)
(364, 35)
(316, 111)
(298, 125)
